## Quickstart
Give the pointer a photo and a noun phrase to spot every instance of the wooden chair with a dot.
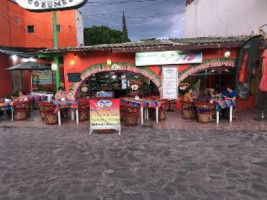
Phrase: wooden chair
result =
(129, 114)
(84, 114)
(22, 110)
(162, 110)
(47, 112)
(188, 110)
(205, 111)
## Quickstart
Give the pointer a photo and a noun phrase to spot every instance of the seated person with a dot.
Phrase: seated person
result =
(229, 93)
(188, 95)
(212, 93)
(21, 96)
(203, 97)
(60, 94)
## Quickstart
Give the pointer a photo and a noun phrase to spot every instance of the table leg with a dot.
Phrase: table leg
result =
(231, 114)
(217, 117)
(12, 115)
(142, 115)
(147, 113)
(59, 118)
(72, 114)
(77, 116)
(157, 114)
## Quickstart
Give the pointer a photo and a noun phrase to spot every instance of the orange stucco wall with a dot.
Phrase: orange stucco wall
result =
(78, 62)
(5, 76)
(15, 34)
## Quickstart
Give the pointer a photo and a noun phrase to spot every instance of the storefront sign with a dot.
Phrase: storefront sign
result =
(44, 77)
(105, 114)
(169, 82)
(167, 57)
(43, 5)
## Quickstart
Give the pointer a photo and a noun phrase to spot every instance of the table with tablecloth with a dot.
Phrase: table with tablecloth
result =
(221, 104)
(144, 104)
(73, 105)
(7, 106)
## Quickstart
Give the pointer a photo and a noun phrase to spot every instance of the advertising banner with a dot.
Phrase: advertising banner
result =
(44, 5)
(105, 114)
(169, 82)
(167, 58)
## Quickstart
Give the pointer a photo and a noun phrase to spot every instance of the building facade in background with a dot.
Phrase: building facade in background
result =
(22, 28)
(224, 17)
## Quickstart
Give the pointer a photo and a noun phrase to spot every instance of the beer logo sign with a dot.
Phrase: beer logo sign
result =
(45, 5)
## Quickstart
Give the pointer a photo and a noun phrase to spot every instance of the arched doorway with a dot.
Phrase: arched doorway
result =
(214, 73)
(116, 68)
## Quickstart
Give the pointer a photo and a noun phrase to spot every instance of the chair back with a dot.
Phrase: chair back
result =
(205, 107)
(187, 104)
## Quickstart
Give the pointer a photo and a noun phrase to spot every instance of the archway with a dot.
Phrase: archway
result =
(207, 64)
(116, 67)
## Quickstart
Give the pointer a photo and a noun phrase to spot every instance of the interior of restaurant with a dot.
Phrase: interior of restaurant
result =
(119, 84)
(211, 78)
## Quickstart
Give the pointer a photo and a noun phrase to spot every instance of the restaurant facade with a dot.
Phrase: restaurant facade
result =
(200, 62)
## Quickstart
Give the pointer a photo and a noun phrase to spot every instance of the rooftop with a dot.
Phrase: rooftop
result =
(159, 45)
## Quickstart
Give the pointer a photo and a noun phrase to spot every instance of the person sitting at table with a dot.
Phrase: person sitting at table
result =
(229, 93)
(188, 95)
(21, 96)
(60, 94)
(203, 97)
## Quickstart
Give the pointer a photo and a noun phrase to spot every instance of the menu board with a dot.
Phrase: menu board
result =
(105, 114)
(169, 82)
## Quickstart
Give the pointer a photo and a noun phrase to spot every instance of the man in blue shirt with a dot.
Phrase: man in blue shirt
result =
(229, 93)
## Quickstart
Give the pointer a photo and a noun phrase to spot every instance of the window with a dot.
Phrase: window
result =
(30, 29)
(58, 28)
(17, 20)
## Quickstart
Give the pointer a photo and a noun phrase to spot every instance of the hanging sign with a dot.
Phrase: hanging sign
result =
(105, 114)
(45, 5)
(169, 82)
(167, 58)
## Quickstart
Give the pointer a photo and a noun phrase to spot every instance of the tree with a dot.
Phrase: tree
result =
(102, 35)
(124, 30)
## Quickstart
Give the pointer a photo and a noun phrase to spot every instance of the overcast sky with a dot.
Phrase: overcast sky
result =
(144, 18)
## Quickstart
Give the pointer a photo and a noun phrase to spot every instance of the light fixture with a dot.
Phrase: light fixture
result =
(14, 57)
(54, 67)
(227, 54)
(109, 62)
(72, 62)
(32, 59)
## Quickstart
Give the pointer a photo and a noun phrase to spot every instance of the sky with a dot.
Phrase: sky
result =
(145, 19)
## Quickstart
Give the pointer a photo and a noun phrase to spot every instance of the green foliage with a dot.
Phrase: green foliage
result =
(101, 35)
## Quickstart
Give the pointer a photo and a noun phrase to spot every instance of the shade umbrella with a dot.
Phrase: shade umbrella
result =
(263, 82)
(30, 66)
(243, 73)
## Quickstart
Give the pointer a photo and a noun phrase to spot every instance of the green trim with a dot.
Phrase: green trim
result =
(102, 65)
(205, 62)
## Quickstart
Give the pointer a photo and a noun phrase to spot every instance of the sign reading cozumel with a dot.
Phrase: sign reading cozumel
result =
(44, 5)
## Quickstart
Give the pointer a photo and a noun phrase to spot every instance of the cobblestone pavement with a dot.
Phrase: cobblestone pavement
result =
(141, 164)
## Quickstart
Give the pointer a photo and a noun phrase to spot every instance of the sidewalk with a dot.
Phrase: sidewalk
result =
(244, 121)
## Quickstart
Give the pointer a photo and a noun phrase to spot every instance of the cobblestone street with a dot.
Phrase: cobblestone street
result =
(141, 164)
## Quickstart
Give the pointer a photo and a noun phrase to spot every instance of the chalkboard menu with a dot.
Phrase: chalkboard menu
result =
(74, 77)
(169, 82)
